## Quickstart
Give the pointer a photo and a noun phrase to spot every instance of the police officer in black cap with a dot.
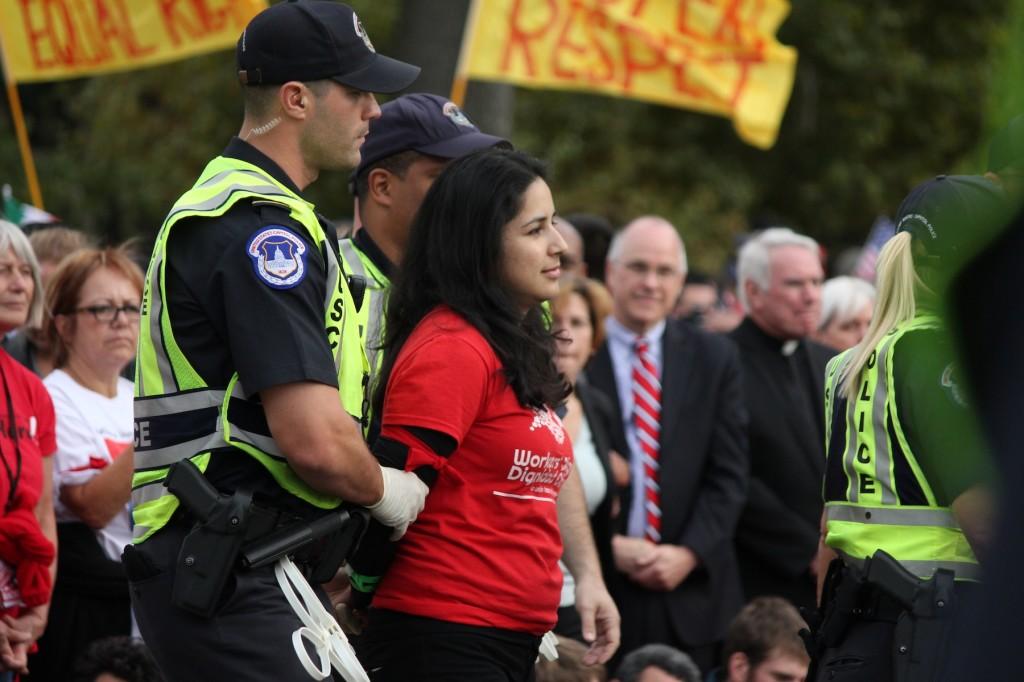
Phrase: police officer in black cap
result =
(249, 368)
(907, 503)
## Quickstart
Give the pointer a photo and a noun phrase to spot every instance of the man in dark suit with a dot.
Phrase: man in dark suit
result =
(684, 420)
(780, 277)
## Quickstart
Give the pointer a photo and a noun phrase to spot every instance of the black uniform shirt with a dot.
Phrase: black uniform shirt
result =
(226, 318)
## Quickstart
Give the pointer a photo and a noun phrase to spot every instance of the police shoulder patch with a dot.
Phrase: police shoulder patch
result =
(278, 256)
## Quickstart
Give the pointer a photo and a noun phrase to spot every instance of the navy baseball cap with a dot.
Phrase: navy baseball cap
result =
(425, 123)
(949, 213)
(312, 40)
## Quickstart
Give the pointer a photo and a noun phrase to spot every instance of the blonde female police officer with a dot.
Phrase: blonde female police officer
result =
(244, 347)
(905, 490)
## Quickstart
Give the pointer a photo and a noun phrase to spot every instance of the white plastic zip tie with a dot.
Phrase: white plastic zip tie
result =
(319, 627)
(549, 646)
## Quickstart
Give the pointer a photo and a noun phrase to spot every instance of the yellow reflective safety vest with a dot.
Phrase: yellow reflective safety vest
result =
(869, 454)
(370, 316)
(177, 415)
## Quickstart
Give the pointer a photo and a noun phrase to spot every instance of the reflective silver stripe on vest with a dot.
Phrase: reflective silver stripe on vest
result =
(264, 443)
(334, 274)
(853, 490)
(375, 313)
(156, 307)
(169, 406)
(159, 458)
(218, 200)
(962, 570)
(892, 516)
(153, 490)
(174, 403)
(883, 455)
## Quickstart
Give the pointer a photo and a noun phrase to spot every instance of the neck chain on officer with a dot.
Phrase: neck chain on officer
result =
(13, 477)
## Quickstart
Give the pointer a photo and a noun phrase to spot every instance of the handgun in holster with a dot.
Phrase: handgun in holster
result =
(210, 550)
(923, 630)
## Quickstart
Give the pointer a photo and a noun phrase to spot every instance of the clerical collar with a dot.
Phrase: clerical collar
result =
(785, 347)
(365, 243)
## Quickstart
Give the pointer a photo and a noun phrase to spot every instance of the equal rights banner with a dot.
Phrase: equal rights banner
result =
(715, 56)
(54, 39)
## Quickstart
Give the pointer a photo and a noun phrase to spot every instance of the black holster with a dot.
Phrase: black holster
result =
(923, 633)
(230, 532)
(922, 609)
(840, 597)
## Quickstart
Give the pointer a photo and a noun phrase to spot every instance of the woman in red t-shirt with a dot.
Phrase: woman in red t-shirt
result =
(466, 392)
(27, 527)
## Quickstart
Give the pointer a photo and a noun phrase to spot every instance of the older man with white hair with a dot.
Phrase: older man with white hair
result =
(780, 277)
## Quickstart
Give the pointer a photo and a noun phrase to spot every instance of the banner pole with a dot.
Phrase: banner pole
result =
(460, 81)
(22, 133)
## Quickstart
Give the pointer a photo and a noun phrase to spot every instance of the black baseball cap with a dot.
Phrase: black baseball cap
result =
(425, 123)
(949, 214)
(312, 40)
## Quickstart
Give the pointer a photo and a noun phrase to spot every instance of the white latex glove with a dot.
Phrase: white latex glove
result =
(402, 501)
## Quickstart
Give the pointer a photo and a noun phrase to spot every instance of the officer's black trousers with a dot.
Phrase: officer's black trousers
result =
(249, 638)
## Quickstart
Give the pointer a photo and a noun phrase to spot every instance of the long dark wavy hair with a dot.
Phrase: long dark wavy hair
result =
(454, 257)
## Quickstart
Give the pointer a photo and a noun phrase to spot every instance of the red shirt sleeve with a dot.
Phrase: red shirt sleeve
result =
(441, 384)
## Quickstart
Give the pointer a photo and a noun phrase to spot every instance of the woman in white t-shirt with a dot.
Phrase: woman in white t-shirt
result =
(577, 318)
(93, 299)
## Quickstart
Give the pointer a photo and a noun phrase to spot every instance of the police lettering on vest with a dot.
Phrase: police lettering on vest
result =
(866, 506)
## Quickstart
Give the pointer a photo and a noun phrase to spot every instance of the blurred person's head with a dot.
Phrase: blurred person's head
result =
(569, 666)
(779, 282)
(939, 225)
(577, 318)
(645, 272)
(699, 296)
(573, 263)
(846, 307)
(1006, 158)
(93, 299)
(484, 244)
(52, 244)
(21, 291)
(416, 136)
(597, 234)
(657, 663)
(763, 643)
(116, 659)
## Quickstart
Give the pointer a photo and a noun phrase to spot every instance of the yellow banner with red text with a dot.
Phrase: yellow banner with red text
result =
(714, 56)
(54, 39)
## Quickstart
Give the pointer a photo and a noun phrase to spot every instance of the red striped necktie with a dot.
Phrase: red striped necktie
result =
(647, 419)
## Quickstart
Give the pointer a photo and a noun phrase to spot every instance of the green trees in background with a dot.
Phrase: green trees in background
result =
(886, 94)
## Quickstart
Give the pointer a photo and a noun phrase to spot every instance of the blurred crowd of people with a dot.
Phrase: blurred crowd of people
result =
(696, 418)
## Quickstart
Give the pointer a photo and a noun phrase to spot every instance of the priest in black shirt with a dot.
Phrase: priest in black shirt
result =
(780, 277)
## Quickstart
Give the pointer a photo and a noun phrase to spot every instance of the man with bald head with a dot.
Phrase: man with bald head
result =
(678, 390)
